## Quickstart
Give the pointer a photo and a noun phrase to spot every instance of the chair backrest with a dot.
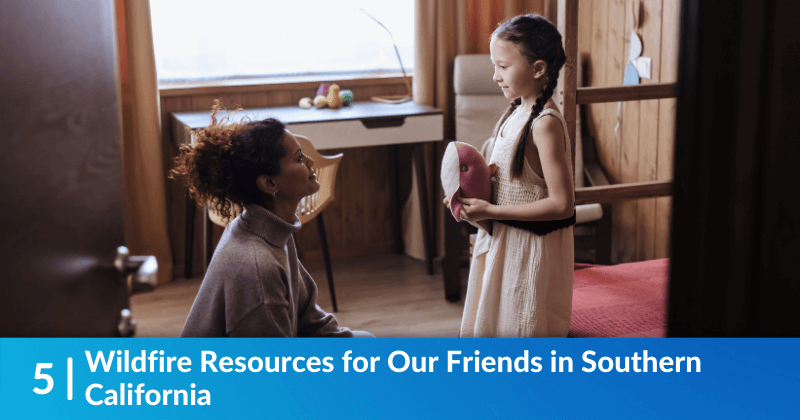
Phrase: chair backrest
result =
(479, 100)
(326, 168)
(310, 206)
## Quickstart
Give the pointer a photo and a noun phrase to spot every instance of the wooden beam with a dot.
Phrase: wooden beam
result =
(592, 95)
(621, 192)
(567, 80)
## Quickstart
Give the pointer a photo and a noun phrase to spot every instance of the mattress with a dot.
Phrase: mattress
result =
(625, 300)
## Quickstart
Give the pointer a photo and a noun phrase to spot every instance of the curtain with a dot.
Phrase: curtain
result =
(444, 29)
(146, 231)
(440, 34)
(484, 16)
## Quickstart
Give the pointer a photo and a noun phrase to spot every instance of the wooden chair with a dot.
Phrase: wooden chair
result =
(310, 207)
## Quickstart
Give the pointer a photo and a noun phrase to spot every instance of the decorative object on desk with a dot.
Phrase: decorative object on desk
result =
(465, 174)
(393, 99)
(334, 99)
(306, 103)
(320, 102)
(323, 89)
(347, 97)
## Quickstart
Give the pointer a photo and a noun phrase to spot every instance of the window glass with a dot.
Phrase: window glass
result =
(216, 40)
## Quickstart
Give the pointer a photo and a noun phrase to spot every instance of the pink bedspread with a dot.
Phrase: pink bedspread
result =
(625, 300)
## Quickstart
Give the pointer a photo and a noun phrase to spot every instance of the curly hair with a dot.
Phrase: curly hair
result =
(221, 168)
(537, 39)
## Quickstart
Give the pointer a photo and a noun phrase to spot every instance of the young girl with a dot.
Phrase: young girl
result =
(255, 284)
(520, 282)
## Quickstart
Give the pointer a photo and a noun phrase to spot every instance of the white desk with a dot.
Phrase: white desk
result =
(361, 124)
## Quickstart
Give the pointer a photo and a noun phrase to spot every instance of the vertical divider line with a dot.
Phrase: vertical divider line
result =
(69, 378)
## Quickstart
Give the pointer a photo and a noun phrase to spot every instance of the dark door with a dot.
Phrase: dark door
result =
(60, 170)
(735, 221)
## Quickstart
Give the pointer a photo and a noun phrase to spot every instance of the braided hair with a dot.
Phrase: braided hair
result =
(537, 39)
(220, 171)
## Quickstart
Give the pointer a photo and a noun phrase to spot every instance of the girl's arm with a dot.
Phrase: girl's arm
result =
(483, 224)
(548, 136)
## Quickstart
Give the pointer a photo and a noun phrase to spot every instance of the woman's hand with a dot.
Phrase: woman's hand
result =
(475, 209)
(446, 201)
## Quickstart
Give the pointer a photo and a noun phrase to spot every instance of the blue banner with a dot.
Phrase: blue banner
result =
(397, 378)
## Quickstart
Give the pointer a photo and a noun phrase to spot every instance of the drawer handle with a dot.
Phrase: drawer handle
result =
(383, 122)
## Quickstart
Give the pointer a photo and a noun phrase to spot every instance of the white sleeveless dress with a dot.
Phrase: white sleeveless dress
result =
(520, 283)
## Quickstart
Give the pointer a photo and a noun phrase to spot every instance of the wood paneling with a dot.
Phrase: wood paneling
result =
(670, 26)
(357, 220)
(483, 17)
(625, 218)
(616, 62)
(650, 16)
(641, 149)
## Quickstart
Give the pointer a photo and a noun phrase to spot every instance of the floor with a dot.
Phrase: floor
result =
(387, 295)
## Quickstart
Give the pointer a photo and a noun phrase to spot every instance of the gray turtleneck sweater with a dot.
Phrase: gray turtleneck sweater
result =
(256, 286)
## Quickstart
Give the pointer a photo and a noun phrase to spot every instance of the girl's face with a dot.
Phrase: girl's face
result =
(512, 71)
(297, 178)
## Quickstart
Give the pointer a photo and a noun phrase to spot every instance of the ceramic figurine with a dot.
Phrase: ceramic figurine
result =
(320, 102)
(306, 103)
(334, 99)
(347, 97)
(323, 89)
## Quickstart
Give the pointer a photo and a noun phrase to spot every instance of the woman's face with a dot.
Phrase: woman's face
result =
(511, 70)
(297, 179)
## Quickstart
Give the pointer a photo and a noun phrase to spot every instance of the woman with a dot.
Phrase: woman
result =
(255, 284)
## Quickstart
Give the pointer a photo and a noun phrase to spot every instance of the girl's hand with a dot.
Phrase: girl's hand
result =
(446, 201)
(475, 209)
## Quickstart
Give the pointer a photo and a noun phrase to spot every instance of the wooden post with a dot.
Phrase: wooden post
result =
(568, 77)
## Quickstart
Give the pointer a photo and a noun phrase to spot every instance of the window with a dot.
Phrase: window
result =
(201, 40)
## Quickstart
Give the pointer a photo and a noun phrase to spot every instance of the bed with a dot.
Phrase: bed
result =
(625, 300)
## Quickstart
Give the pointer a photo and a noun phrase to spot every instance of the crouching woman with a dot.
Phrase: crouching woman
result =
(255, 285)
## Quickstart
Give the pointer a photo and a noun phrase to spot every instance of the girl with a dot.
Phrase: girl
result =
(255, 284)
(520, 282)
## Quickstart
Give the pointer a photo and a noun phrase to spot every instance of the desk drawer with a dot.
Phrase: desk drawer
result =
(355, 133)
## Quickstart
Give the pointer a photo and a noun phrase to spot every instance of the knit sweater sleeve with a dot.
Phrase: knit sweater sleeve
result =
(313, 321)
(273, 316)
(263, 321)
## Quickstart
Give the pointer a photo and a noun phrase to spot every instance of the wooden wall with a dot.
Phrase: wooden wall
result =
(642, 148)
(359, 225)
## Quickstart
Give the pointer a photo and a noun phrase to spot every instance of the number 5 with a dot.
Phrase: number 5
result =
(46, 377)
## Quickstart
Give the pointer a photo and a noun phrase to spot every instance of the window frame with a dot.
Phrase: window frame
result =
(266, 84)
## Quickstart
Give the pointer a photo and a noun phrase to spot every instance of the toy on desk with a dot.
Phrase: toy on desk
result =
(465, 174)
(323, 89)
(320, 102)
(328, 95)
(347, 97)
(334, 99)
(306, 103)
